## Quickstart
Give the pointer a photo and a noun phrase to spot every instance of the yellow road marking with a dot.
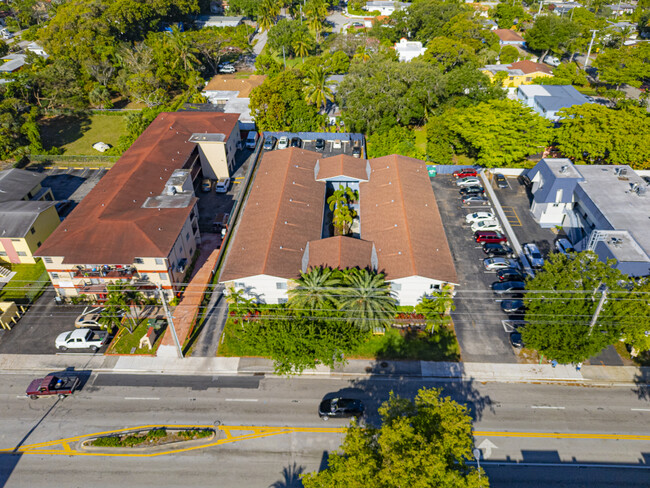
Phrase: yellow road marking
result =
(511, 215)
(236, 433)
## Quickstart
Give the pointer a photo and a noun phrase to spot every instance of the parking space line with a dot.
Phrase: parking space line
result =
(511, 215)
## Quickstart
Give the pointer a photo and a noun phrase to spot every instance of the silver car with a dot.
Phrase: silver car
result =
(469, 181)
(491, 264)
(478, 216)
(486, 225)
(564, 246)
(531, 251)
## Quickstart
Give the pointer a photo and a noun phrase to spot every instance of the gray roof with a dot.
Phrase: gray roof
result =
(15, 184)
(17, 217)
(553, 104)
(12, 62)
(216, 137)
(554, 97)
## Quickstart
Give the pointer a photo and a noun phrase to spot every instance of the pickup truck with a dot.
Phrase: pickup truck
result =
(81, 339)
(52, 385)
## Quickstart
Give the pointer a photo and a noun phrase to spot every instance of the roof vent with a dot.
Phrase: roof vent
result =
(564, 169)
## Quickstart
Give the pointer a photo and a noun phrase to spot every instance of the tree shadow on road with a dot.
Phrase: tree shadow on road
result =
(290, 477)
(642, 381)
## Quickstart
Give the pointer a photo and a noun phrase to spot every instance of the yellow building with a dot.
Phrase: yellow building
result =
(518, 73)
(27, 215)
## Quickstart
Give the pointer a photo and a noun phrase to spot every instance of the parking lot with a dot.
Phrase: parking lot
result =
(37, 330)
(308, 142)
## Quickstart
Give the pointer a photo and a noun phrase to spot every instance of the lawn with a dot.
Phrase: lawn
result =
(76, 134)
(421, 139)
(124, 342)
(27, 283)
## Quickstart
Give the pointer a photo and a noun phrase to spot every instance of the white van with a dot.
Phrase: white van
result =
(251, 140)
(5, 34)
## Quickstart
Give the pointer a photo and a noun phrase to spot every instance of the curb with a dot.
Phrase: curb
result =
(82, 445)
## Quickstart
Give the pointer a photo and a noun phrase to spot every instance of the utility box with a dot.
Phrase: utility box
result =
(433, 171)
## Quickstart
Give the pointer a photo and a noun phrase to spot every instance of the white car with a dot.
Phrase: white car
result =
(5, 34)
(478, 216)
(552, 60)
(101, 147)
(531, 251)
(564, 246)
(88, 321)
(491, 264)
(222, 185)
(469, 181)
(283, 142)
(486, 225)
(226, 68)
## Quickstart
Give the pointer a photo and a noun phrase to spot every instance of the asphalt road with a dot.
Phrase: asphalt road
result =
(513, 425)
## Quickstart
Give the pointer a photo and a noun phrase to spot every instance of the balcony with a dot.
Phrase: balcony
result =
(107, 272)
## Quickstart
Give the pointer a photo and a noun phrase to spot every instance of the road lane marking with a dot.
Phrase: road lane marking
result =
(241, 399)
(141, 398)
(547, 407)
(563, 435)
(640, 409)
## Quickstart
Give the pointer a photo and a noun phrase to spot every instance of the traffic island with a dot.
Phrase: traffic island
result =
(154, 440)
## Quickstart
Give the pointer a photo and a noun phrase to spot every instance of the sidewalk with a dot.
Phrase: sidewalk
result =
(483, 372)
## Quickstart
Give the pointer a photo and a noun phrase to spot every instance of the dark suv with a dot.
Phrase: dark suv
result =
(296, 142)
(472, 190)
(497, 249)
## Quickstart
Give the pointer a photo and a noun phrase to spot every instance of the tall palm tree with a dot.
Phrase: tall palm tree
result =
(367, 299)
(362, 53)
(339, 204)
(316, 290)
(122, 301)
(316, 90)
(302, 45)
(184, 48)
(316, 12)
(268, 12)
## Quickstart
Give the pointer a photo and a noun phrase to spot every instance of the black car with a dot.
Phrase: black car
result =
(513, 306)
(502, 287)
(510, 274)
(472, 190)
(356, 152)
(340, 408)
(269, 143)
(497, 249)
(296, 142)
(320, 144)
(500, 180)
(515, 340)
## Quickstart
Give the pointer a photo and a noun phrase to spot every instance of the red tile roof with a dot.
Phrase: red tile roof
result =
(110, 226)
(341, 252)
(343, 165)
(528, 67)
(508, 35)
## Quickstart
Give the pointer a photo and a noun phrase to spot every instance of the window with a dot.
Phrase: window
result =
(22, 253)
(32, 230)
(511, 78)
(163, 276)
(187, 236)
(558, 196)
(138, 261)
(396, 286)
(281, 285)
(159, 261)
(529, 79)
(434, 287)
(48, 260)
(38, 244)
(55, 276)
(15, 240)
(2, 253)
(282, 300)
(240, 285)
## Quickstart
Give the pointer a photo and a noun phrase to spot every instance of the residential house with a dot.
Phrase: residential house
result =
(27, 215)
(508, 37)
(602, 208)
(547, 100)
(231, 95)
(407, 50)
(140, 222)
(12, 63)
(563, 8)
(286, 225)
(622, 9)
(217, 21)
(385, 7)
(518, 73)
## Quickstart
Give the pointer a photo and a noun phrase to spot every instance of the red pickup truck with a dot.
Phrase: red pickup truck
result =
(53, 385)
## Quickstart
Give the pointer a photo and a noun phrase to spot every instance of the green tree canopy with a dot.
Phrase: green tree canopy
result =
(285, 34)
(594, 133)
(561, 300)
(628, 64)
(551, 33)
(315, 292)
(506, 13)
(425, 442)
(449, 53)
(397, 140)
(366, 299)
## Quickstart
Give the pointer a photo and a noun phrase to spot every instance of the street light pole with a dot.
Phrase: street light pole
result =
(594, 317)
(593, 36)
(170, 321)
(477, 456)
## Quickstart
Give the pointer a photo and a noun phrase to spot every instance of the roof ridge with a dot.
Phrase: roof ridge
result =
(406, 224)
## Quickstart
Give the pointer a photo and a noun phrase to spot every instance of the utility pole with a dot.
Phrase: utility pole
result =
(541, 4)
(284, 58)
(594, 318)
(170, 321)
(593, 36)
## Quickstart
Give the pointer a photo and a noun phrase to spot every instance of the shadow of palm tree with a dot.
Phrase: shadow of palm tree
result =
(642, 381)
(291, 477)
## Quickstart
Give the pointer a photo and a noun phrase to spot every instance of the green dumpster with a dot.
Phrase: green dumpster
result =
(433, 171)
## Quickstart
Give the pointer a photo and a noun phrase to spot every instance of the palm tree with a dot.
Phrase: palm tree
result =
(316, 290)
(362, 53)
(367, 299)
(184, 48)
(302, 45)
(268, 12)
(339, 204)
(316, 12)
(122, 298)
(316, 90)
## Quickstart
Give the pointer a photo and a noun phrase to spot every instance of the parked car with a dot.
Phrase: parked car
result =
(296, 142)
(206, 185)
(5, 34)
(469, 181)
(564, 246)
(251, 140)
(503, 287)
(283, 142)
(53, 385)
(531, 251)
(222, 185)
(226, 68)
(489, 236)
(498, 249)
(88, 321)
(515, 340)
(510, 274)
(471, 190)
(464, 173)
(514, 307)
(356, 152)
(81, 339)
(340, 408)
(475, 200)
(500, 180)
(491, 264)
(101, 147)
(552, 60)
(269, 143)
(486, 225)
(478, 216)
(320, 144)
